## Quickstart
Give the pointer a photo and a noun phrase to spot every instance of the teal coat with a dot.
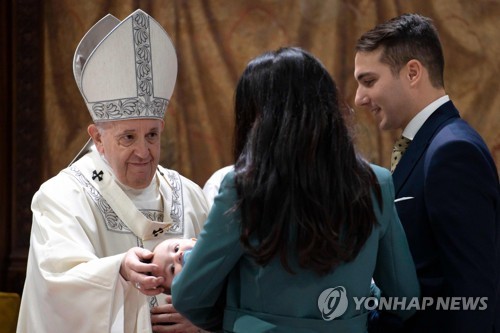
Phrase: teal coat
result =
(268, 298)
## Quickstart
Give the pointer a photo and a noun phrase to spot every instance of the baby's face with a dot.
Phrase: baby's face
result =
(168, 256)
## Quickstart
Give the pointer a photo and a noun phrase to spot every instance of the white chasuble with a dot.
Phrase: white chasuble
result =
(83, 223)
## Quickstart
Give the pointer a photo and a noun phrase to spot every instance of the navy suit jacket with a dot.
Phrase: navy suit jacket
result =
(448, 191)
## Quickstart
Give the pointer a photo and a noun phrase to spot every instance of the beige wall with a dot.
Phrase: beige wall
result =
(216, 38)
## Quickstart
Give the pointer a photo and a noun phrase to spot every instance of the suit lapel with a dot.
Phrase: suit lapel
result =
(420, 143)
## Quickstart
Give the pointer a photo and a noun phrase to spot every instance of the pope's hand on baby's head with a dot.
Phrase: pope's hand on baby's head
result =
(170, 256)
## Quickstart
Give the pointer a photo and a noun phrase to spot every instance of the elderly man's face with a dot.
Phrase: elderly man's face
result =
(131, 147)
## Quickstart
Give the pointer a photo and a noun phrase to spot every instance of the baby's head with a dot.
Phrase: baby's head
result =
(168, 255)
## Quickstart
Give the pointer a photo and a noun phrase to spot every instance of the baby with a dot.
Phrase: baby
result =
(170, 256)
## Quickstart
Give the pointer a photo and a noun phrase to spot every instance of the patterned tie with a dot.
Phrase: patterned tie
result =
(398, 151)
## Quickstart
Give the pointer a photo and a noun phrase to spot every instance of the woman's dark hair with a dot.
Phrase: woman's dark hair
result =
(300, 183)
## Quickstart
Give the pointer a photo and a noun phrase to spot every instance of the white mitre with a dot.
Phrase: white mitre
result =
(125, 69)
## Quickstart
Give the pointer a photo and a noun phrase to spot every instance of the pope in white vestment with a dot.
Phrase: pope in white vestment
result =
(79, 239)
(114, 198)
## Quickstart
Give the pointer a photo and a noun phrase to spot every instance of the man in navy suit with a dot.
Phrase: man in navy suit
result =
(447, 189)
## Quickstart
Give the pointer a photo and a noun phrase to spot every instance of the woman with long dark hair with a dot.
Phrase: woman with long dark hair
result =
(303, 223)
